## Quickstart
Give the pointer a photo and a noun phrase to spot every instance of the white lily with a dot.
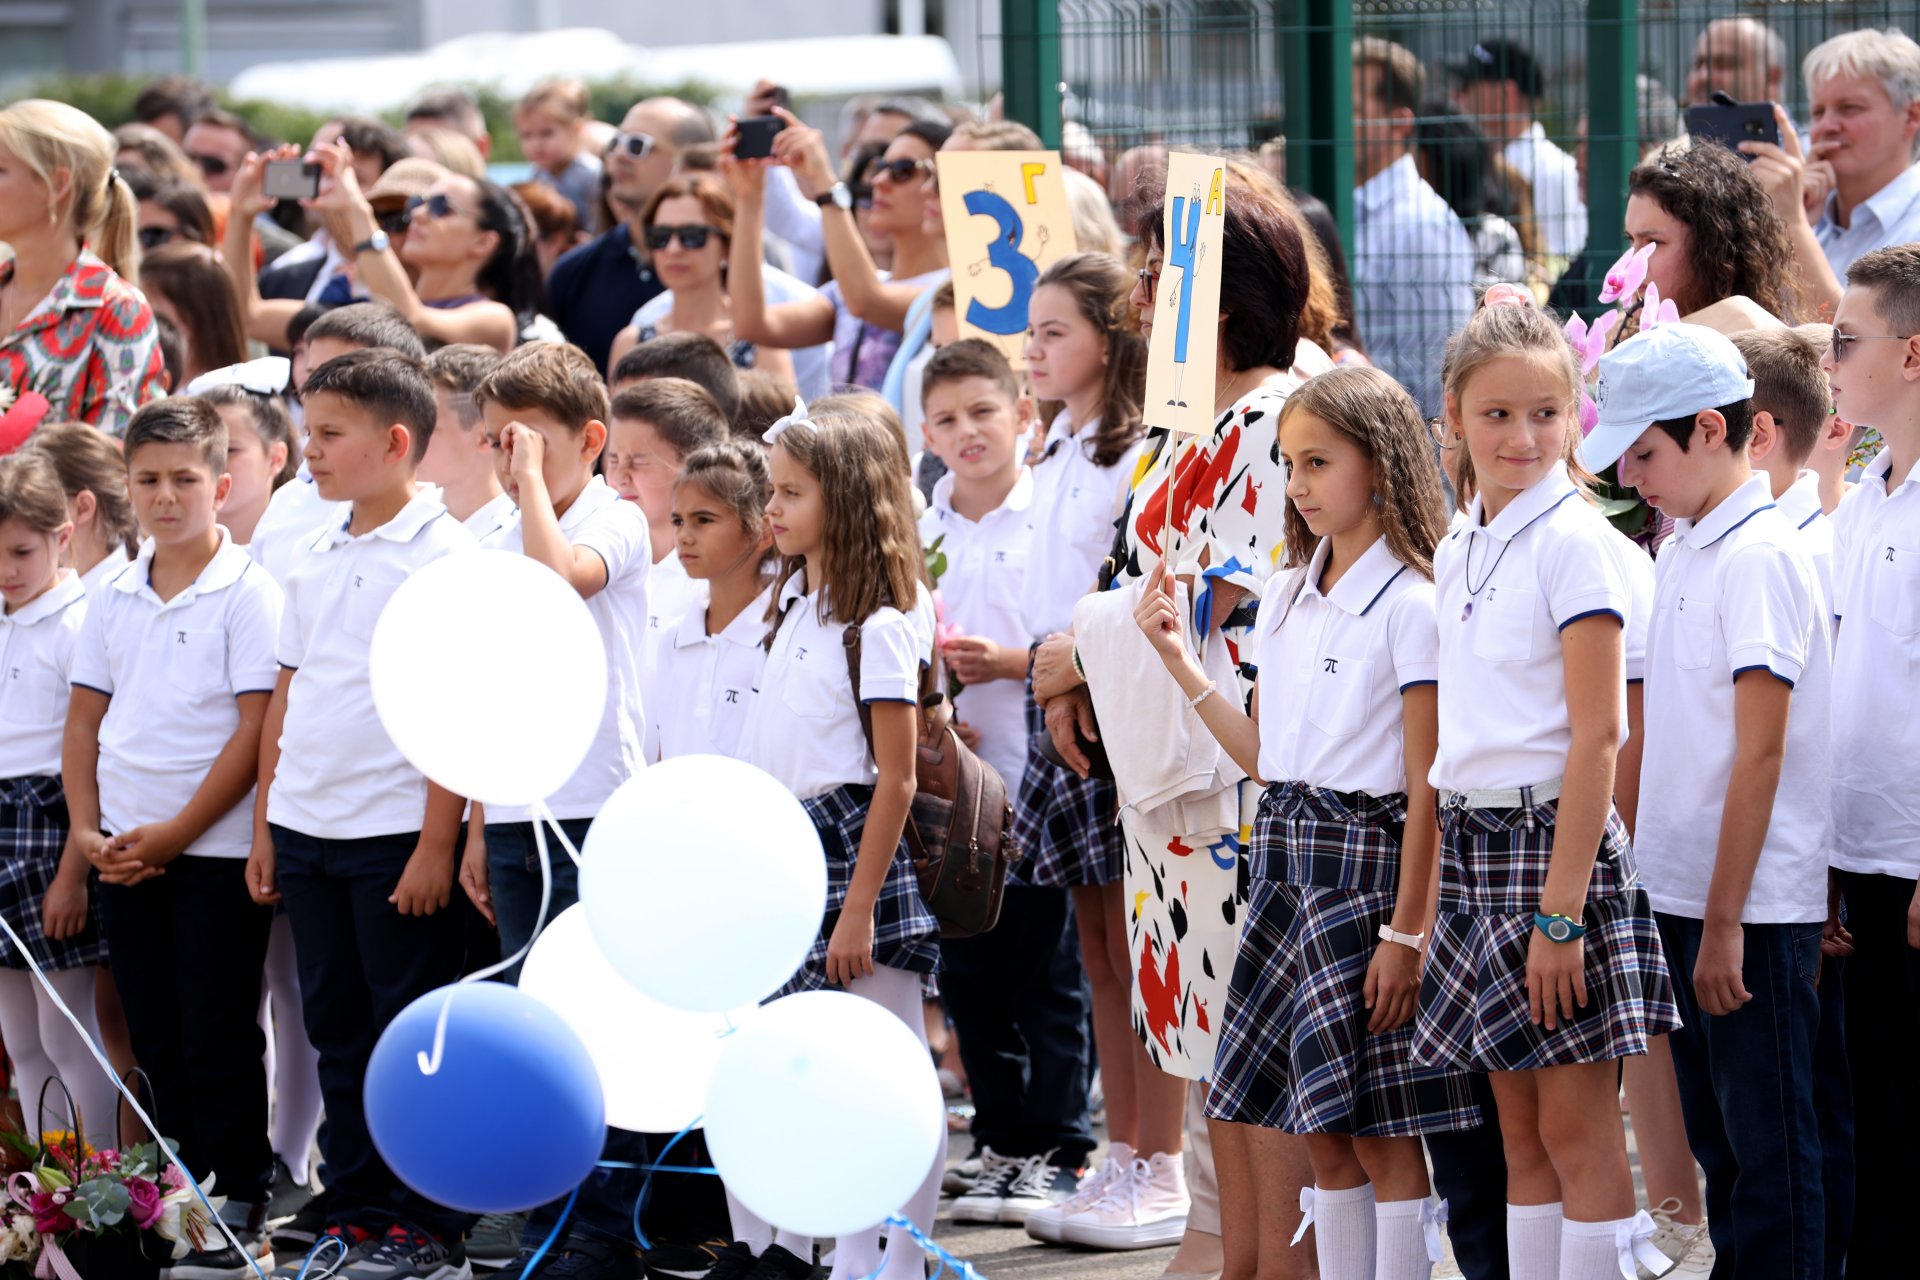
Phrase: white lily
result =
(185, 1220)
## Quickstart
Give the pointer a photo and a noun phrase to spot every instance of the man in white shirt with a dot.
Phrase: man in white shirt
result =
(1412, 260)
(1865, 91)
(1498, 84)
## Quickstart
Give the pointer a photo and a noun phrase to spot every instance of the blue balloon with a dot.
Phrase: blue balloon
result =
(512, 1118)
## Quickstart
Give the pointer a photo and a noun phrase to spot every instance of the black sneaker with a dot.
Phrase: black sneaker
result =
(683, 1261)
(408, 1253)
(287, 1195)
(577, 1259)
(224, 1263)
(780, 1264)
(736, 1262)
(298, 1233)
(338, 1245)
(494, 1241)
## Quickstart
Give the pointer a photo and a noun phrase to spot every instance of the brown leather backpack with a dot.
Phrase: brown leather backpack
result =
(960, 831)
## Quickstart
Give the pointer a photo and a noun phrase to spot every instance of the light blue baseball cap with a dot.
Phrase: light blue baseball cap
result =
(1674, 370)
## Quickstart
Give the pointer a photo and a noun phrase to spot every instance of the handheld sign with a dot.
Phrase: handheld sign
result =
(1007, 221)
(1186, 301)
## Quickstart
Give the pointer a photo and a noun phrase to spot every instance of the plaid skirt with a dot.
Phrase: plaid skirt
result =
(1067, 825)
(33, 832)
(1473, 1000)
(1295, 1053)
(905, 934)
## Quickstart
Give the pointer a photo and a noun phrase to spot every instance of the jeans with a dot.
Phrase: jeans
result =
(1747, 1091)
(1882, 985)
(186, 947)
(513, 878)
(1019, 1002)
(1470, 1174)
(1833, 1100)
(361, 963)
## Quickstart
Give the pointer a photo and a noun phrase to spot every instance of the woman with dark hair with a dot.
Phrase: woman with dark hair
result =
(1459, 161)
(186, 285)
(141, 146)
(1186, 890)
(169, 211)
(1721, 252)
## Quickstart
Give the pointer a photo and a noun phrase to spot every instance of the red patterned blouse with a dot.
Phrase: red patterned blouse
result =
(90, 347)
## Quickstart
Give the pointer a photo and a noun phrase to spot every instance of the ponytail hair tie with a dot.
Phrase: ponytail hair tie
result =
(1507, 295)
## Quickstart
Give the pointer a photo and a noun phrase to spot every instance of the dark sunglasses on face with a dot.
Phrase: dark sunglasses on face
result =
(692, 236)
(1149, 282)
(1841, 341)
(899, 172)
(154, 237)
(636, 145)
(212, 166)
(435, 206)
(392, 223)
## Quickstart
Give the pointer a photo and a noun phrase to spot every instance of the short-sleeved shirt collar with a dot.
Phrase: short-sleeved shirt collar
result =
(1527, 506)
(1738, 507)
(1881, 468)
(84, 286)
(1018, 498)
(48, 602)
(1360, 586)
(221, 572)
(748, 628)
(406, 523)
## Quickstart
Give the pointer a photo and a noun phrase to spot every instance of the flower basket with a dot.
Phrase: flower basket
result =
(119, 1256)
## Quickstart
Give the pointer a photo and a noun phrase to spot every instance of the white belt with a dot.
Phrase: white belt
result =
(1507, 798)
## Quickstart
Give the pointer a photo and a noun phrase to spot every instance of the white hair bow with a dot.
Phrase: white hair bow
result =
(267, 376)
(797, 418)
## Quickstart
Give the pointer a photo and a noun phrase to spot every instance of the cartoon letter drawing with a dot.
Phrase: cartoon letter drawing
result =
(1181, 254)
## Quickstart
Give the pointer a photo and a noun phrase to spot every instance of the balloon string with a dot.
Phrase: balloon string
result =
(959, 1267)
(429, 1059)
(165, 1152)
(532, 1265)
(646, 1187)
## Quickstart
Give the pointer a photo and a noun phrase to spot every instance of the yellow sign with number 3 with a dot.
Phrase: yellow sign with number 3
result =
(1007, 220)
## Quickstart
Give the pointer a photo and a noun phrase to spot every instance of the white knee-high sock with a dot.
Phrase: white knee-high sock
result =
(858, 1255)
(92, 1087)
(749, 1229)
(1343, 1225)
(1603, 1250)
(296, 1063)
(32, 1068)
(1533, 1241)
(1400, 1234)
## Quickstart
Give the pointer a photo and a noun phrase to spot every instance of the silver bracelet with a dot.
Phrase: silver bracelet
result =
(1194, 702)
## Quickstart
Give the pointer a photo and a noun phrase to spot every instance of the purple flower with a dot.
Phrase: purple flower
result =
(144, 1205)
(1590, 341)
(1625, 276)
(1589, 415)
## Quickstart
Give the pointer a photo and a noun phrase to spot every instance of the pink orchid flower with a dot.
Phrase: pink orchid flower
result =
(1590, 341)
(1589, 415)
(1506, 295)
(1625, 276)
(1656, 310)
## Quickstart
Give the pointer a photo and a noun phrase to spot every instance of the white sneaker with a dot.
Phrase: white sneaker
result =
(981, 1202)
(1044, 1224)
(1687, 1244)
(984, 1165)
(1148, 1210)
(1042, 1184)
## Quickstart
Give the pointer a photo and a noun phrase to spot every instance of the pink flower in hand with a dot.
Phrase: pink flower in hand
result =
(1625, 276)
(1589, 415)
(1590, 341)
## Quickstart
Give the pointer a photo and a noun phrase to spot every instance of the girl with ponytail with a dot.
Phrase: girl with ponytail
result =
(70, 219)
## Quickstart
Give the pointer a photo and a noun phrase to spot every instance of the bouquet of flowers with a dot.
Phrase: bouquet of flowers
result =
(70, 1211)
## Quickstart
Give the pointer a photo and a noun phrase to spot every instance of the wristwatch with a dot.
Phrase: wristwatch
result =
(1389, 934)
(375, 243)
(839, 194)
(1559, 928)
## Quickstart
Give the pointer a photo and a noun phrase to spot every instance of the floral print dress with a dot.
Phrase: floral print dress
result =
(90, 347)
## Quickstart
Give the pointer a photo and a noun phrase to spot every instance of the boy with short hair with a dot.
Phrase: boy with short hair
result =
(1738, 675)
(1873, 366)
(171, 677)
(1792, 409)
(1016, 994)
(459, 459)
(544, 412)
(361, 847)
(551, 120)
(1835, 442)
(693, 356)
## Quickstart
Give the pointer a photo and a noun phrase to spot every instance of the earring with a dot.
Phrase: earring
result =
(723, 264)
(1376, 499)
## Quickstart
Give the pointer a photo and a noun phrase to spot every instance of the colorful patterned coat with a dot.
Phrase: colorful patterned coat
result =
(90, 347)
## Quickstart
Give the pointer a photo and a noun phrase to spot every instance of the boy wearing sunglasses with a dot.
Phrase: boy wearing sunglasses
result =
(1873, 365)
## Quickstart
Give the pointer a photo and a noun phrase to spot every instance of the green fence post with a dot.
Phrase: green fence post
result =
(1316, 57)
(1030, 65)
(1613, 126)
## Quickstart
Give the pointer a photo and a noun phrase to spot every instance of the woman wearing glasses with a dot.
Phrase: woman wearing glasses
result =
(687, 237)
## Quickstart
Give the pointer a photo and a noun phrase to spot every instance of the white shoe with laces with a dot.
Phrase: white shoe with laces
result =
(1045, 1224)
(1146, 1211)
(1686, 1243)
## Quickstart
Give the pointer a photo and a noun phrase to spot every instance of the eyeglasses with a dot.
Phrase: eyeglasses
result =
(1149, 282)
(154, 237)
(636, 145)
(212, 166)
(898, 172)
(1842, 340)
(435, 206)
(692, 236)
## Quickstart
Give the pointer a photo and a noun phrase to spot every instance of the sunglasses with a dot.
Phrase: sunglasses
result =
(898, 172)
(212, 166)
(1841, 341)
(435, 206)
(692, 236)
(392, 223)
(634, 144)
(1149, 282)
(154, 237)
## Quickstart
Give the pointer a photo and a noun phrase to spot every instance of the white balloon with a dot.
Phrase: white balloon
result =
(824, 1113)
(704, 883)
(490, 676)
(654, 1061)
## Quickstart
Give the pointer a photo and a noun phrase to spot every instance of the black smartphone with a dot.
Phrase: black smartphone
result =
(291, 180)
(1732, 123)
(756, 136)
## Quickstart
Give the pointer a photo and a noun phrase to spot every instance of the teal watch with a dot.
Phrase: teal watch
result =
(1559, 928)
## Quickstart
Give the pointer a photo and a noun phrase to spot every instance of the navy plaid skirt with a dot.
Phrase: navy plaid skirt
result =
(1473, 1000)
(1066, 824)
(1294, 1051)
(33, 832)
(905, 934)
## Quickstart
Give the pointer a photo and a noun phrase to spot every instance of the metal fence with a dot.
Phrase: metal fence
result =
(1277, 78)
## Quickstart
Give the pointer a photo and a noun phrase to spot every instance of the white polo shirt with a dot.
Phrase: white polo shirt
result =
(37, 643)
(110, 565)
(1071, 517)
(987, 567)
(1737, 593)
(495, 515)
(804, 728)
(703, 687)
(1637, 565)
(1504, 592)
(295, 513)
(1333, 668)
(340, 776)
(172, 670)
(1800, 505)
(616, 532)
(1876, 700)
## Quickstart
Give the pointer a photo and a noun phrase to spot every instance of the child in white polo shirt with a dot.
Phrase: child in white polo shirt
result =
(1738, 676)
(1017, 993)
(1792, 420)
(183, 638)
(459, 459)
(1873, 366)
(44, 891)
(361, 846)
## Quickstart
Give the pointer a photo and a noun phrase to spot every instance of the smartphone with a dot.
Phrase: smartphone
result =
(756, 136)
(1733, 123)
(291, 180)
